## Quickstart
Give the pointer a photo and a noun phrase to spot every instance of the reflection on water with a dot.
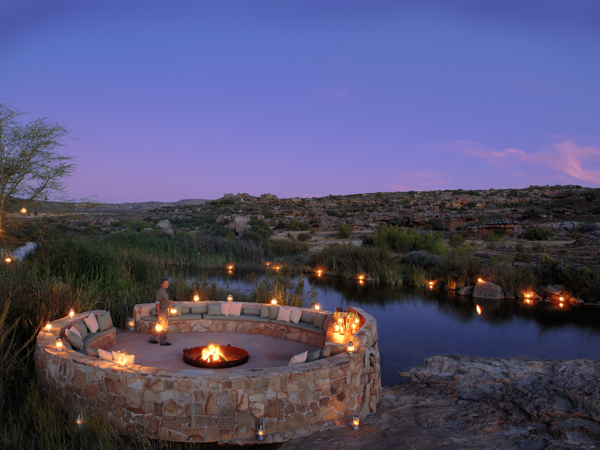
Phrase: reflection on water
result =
(413, 325)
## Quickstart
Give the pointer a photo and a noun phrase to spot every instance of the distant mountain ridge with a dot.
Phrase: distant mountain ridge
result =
(144, 206)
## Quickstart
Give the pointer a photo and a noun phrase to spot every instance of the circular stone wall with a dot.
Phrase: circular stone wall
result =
(217, 405)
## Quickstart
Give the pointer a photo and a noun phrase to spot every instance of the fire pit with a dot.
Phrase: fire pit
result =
(215, 357)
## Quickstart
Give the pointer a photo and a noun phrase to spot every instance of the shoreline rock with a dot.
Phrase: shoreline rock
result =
(465, 402)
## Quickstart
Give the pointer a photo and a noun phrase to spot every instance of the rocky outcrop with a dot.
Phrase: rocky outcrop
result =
(487, 289)
(467, 290)
(166, 226)
(463, 402)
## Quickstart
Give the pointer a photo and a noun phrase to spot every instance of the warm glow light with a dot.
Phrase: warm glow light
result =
(355, 422)
(317, 306)
(23, 210)
(361, 277)
(350, 347)
(173, 311)
(131, 323)
(59, 343)
(122, 358)
(268, 263)
(212, 353)
(230, 298)
(527, 301)
(336, 328)
(527, 295)
(260, 430)
(72, 313)
(158, 327)
(561, 305)
(319, 272)
(273, 301)
(361, 282)
(356, 320)
(230, 267)
(196, 297)
(478, 309)
(79, 420)
(7, 260)
(480, 280)
(48, 326)
(277, 268)
(561, 299)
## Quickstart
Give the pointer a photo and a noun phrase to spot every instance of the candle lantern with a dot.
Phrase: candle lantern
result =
(260, 429)
(230, 298)
(355, 422)
(131, 324)
(122, 358)
(277, 268)
(7, 260)
(351, 347)
(273, 301)
(79, 420)
(158, 327)
(59, 343)
(173, 311)
(196, 297)
(72, 313)
(230, 267)
(336, 328)
(23, 210)
(317, 307)
(48, 326)
(431, 285)
(480, 280)
(319, 272)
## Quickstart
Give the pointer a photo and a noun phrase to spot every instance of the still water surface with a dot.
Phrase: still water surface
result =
(415, 324)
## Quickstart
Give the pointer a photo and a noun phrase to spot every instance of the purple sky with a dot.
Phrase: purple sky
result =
(174, 99)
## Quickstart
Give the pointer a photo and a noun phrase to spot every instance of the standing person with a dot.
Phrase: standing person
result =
(162, 311)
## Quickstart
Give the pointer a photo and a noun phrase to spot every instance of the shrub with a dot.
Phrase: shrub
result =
(344, 231)
(456, 240)
(438, 225)
(522, 257)
(303, 237)
(401, 239)
(538, 234)
(422, 258)
(532, 214)
(285, 248)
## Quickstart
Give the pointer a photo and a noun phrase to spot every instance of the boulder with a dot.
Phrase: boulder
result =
(467, 290)
(240, 223)
(487, 289)
(166, 226)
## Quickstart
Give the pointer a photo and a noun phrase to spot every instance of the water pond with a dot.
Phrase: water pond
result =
(415, 324)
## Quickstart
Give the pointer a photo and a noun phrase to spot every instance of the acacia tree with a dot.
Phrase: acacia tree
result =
(31, 169)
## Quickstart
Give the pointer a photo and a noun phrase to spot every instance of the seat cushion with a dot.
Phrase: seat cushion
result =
(83, 332)
(214, 309)
(320, 320)
(186, 317)
(199, 309)
(307, 317)
(93, 336)
(251, 311)
(301, 326)
(248, 318)
(104, 321)
(265, 312)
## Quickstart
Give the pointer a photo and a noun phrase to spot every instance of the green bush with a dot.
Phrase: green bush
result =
(522, 257)
(303, 237)
(538, 234)
(278, 247)
(344, 231)
(403, 240)
(456, 240)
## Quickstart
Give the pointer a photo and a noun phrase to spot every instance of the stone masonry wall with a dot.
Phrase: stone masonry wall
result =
(217, 405)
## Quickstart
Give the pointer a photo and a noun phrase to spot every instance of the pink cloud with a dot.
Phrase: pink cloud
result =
(566, 157)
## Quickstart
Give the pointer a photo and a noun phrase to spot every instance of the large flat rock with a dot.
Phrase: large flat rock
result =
(463, 402)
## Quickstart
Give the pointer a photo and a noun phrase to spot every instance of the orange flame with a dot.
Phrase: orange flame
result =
(212, 353)
(478, 310)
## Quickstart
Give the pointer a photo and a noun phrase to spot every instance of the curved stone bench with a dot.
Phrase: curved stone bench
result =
(244, 323)
(203, 405)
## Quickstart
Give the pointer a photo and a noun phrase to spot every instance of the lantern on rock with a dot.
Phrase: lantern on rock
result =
(72, 313)
(173, 311)
(59, 343)
(273, 301)
(351, 347)
(131, 324)
(230, 298)
(48, 326)
(196, 297)
(260, 430)
(79, 420)
(355, 422)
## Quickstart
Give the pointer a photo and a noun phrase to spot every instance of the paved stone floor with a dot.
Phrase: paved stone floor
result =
(264, 351)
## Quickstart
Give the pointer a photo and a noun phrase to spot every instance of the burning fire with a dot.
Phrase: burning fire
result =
(478, 310)
(212, 353)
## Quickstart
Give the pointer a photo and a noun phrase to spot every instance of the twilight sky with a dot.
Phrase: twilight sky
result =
(169, 100)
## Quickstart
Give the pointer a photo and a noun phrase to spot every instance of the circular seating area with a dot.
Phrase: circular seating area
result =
(219, 405)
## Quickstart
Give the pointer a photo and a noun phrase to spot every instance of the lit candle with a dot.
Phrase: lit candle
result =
(350, 347)
(336, 328)
(122, 358)
(79, 420)
(230, 298)
(480, 280)
(131, 324)
(173, 311)
(48, 326)
(158, 327)
(355, 422)
(317, 306)
(72, 313)
(23, 210)
(59, 343)
(230, 267)
(478, 309)
(273, 301)
(196, 297)
(7, 260)
(319, 273)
